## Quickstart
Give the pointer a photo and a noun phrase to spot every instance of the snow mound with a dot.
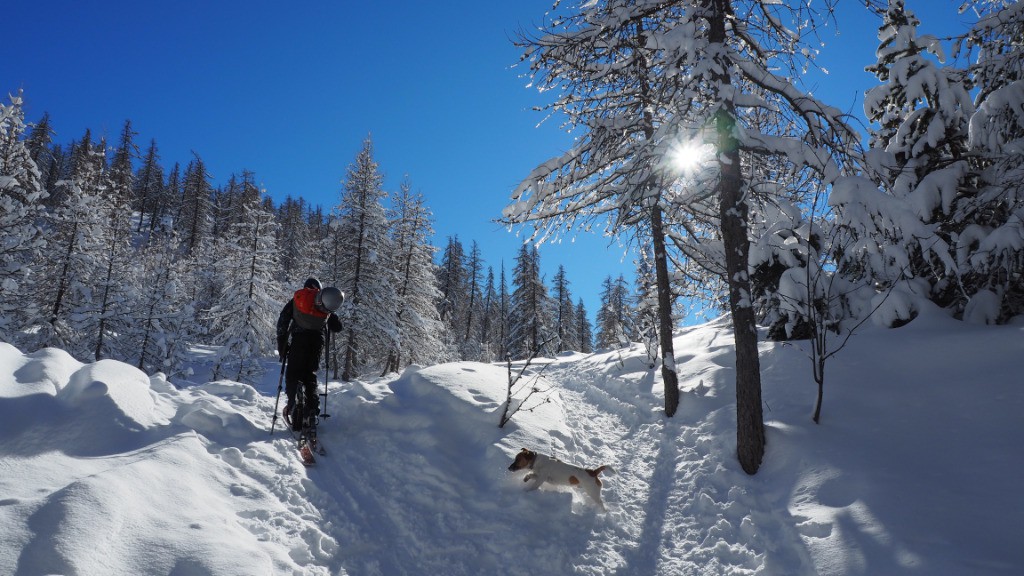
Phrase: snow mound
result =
(911, 470)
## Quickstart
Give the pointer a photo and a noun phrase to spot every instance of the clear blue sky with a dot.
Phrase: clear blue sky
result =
(291, 90)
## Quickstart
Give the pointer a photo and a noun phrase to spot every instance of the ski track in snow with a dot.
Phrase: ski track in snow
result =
(106, 470)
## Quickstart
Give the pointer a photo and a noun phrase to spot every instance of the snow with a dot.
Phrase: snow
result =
(105, 470)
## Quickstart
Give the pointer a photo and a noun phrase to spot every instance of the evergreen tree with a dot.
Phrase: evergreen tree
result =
(39, 143)
(584, 329)
(990, 217)
(115, 283)
(531, 330)
(371, 326)
(646, 313)
(194, 217)
(451, 277)
(21, 215)
(490, 331)
(419, 324)
(615, 317)
(245, 310)
(76, 229)
(504, 336)
(471, 348)
(151, 201)
(565, 313)
(163, 317)
(918, 157)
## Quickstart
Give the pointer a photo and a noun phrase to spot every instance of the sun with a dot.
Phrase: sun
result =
(686, 158)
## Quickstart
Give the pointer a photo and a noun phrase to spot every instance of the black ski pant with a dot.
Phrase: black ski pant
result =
(303, 361)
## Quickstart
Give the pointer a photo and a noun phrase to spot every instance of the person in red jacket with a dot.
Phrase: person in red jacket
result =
(305, 319)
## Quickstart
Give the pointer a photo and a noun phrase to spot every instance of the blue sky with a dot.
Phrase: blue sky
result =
(291, 90)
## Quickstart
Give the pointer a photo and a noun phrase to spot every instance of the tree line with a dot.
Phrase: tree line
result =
(106, 253)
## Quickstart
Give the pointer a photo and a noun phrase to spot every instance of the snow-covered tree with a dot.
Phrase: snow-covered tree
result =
(76, 228)
(193, 220)
(990, 244)
(419, 324)
(615, 322)
(471, 348)
(454, 286)
(371, 326)
(115, 283)
(584, 328)
(21, 215)
(902, 242)
(604, 59)
(530, 308)
(565, 313)
(244, 312)
(163, 316)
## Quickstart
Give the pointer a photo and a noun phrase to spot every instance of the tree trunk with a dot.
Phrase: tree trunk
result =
(750, 438)
(668, 361)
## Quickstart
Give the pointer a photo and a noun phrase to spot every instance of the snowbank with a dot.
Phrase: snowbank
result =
(911, 471)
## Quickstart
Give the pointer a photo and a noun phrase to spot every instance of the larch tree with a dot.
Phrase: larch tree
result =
(584, 328)
(75, 228)
(419, 324)
(245, 308)
(530, 307)
(565, 313)
(366, 277)
(21, 218)
(743, 60)
(603, 58)
(615, 316)
(115, 283)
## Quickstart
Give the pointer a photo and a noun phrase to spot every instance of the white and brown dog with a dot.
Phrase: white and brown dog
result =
(547, 469)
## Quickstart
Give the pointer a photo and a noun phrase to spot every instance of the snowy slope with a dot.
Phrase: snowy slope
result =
(104, 470)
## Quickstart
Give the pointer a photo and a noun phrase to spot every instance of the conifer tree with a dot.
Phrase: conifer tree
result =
(115, 284)
(531, 329)
(504, 321)
(902, 240)
(454, 286)
(492, 317)
(990, 217)
(151, 201)
(565, 313)
(21, 215)
(615, 317)
(584, 328)
(471, 348)
(76, 229)
(194, 216)
(419, 325)
(371, 326)
(245, 310)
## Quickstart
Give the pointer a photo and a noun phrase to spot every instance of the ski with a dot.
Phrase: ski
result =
(306, 454)
(319, 447)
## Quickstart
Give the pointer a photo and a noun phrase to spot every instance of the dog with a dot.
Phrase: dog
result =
(555, 472)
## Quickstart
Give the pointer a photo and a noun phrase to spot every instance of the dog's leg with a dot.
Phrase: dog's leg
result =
(532, 481)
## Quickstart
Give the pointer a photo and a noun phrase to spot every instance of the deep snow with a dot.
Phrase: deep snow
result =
(914, 469)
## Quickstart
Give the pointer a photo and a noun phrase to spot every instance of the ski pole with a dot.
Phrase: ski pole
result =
(327, 373)
(280, 381)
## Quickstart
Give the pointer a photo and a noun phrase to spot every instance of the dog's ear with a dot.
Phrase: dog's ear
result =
(524, 451)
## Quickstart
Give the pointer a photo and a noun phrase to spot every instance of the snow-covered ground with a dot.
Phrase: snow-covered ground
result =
(914, 469)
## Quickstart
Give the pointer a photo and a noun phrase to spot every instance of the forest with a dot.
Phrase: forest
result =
(142, 264)
(794, 221)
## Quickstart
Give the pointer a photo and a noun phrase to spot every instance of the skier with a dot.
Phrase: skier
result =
(305, 318)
